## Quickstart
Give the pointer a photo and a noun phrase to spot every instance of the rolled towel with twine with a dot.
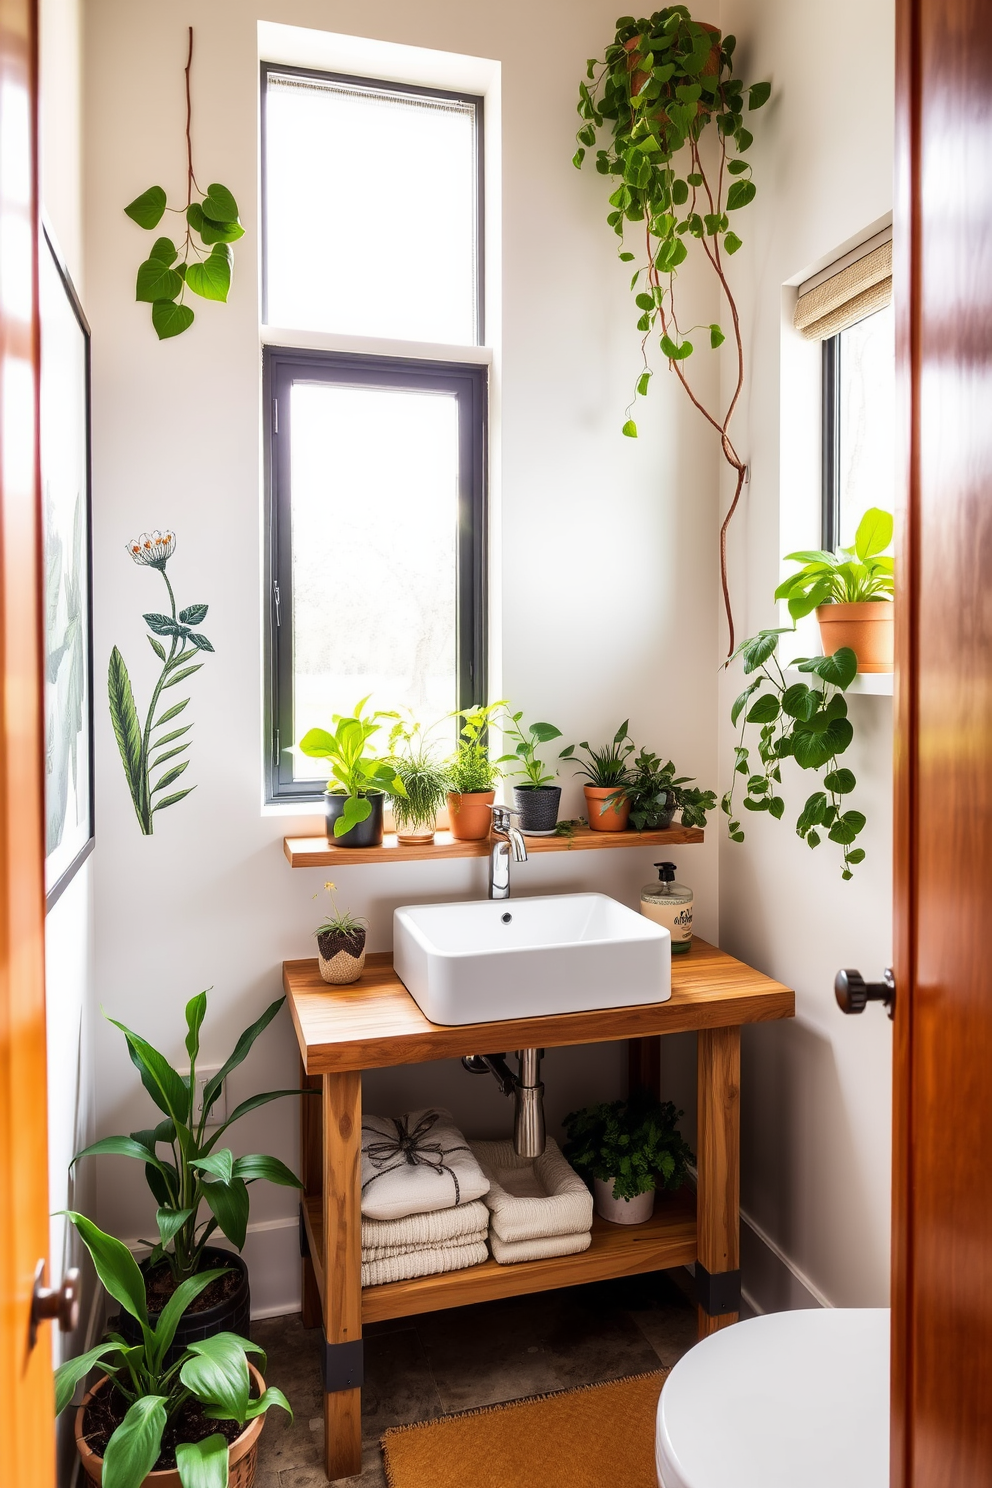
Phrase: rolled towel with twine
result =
(416, 1164)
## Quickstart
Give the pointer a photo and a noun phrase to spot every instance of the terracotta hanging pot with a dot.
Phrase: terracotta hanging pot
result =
(615, 816)
(469, 816)
(868, 628)
(711, 67)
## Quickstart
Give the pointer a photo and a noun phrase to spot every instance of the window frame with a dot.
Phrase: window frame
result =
(383, 85)
(469, 382)
(830, 444)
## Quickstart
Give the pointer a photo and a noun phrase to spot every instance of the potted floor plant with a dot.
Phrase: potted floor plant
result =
(425, 784)
(629, 1149)
(340, 945)
(360, 781)
(538, 798)
(654, 793)
(188, 1169)
(607, 808)
(472, 775)
(193, 1422)
(851, 591)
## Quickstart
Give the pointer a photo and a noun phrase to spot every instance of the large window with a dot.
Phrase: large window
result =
(376, 464)
(858, 424)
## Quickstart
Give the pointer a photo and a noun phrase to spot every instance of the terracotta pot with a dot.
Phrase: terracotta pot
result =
(711, 67)
(469, 816)
(241, 1455)
(614, 818)
(868, 629)
(622, 1211)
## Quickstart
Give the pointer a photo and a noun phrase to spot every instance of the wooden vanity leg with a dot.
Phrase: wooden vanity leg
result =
(342, 1103)
(312, 1177)
(644, 1064)
(718, 1069)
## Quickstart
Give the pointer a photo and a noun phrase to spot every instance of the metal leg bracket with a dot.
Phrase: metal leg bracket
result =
(344, 1366)
(718, 1292)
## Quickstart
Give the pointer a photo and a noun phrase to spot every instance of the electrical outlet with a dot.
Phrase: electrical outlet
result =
(218, 1111)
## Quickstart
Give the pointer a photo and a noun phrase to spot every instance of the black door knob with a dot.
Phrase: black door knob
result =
(853, 993)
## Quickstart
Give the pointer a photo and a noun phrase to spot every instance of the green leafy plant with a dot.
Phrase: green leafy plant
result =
(606, 766)
(339, 921)
(655, 793)
(425, 778)
(849, 576)
(662, 82)
(163, 281)
(356, 772)
(524, 757)
(635, 1142)
(808, 724)
(194, 1170)
(470, 768)
(213, 1373)
(143, 750)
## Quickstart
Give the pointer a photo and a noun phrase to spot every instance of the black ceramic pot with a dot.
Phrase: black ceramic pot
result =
(367, 834)
(232, 1315)
(538, 807)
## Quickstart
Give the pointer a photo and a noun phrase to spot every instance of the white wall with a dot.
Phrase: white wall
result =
(816, 1091)
(606, 561)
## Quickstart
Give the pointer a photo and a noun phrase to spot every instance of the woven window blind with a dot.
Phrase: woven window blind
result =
(847, 296)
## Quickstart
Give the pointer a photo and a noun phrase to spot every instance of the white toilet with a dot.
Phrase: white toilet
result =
(788, 1400)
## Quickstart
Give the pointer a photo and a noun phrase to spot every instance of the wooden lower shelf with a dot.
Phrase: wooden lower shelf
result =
(314, 852)
(667, 1239)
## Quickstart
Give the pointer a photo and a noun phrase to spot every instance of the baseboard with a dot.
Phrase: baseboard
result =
(771, 1282)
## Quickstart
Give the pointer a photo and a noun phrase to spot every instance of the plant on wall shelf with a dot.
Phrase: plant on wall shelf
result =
(662, 82)
(655, 793)
(143, 750)
(169, 270)
(425, 780)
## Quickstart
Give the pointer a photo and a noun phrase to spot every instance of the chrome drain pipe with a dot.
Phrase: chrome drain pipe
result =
(529, 1134)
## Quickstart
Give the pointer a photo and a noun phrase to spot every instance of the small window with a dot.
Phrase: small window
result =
(377, 544)
(859, 370)
(372, 199)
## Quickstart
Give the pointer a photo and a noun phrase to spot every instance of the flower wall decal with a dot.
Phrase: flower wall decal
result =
(144, 749)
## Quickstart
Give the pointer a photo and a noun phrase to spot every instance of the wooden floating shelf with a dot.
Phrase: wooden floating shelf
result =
(314, 852)
(667, 1239)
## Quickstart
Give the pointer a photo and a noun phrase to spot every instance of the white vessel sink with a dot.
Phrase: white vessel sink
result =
(482, 961)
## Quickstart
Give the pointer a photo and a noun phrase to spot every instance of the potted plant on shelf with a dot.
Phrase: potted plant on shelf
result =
(628, 1149)
(472, 775)
(360, 781)
(340, 945)
(654, 793)
(425, 784)
(195, 1171)
(193, 1422)
(606, 804)
(536, 800)
(851, 591)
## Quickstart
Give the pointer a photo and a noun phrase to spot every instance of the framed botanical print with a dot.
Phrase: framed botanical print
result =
(67, 558)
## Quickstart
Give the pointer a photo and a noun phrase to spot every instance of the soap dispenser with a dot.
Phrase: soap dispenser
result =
(670, 904)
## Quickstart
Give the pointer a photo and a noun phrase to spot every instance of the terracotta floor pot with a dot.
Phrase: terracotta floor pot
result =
(622, 1211)
(614, 818)
(469, 816)
(242, 1453)
(868, 629)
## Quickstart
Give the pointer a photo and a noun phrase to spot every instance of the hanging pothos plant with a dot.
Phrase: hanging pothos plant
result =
(162, 281)
(662, 82)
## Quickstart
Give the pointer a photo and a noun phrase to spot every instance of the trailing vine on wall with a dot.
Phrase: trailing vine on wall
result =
(169, 270)
(662, 82)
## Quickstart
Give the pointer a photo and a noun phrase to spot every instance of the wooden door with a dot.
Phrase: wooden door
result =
(942, 1216)
(26, 1402)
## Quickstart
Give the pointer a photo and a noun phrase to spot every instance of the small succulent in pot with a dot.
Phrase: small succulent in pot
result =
(340, 944)
(537, 798)
(606, 773)
(425, 780)
(654, 793)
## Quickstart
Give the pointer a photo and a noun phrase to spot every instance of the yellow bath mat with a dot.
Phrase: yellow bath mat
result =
(600, 1436)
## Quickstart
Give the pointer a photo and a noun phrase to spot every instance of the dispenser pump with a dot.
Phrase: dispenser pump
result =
(669, 904)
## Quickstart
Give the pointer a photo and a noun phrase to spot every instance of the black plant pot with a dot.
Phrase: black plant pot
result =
(232, 1315)
(538, 807)
(367, 834)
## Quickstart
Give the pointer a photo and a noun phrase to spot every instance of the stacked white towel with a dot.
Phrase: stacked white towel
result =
(538, 1207)
(421, 1191)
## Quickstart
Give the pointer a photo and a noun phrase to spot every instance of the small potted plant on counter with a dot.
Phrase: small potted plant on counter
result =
(472, 775)
(340, 945)
(851, 591)
(360, 781)
(425, 784)
(191, 1423)
(654, 793)
(606, 804)
(536, 800)
(196, 1171)
(628, 1149)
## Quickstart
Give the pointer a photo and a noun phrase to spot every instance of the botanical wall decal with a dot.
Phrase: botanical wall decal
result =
(143, 750)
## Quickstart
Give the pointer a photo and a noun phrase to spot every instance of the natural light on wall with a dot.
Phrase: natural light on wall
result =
(867, 419)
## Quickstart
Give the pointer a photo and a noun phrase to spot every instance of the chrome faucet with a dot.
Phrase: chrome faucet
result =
(506, 837)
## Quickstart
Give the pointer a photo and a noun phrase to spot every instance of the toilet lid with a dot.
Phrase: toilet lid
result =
(788, 1400)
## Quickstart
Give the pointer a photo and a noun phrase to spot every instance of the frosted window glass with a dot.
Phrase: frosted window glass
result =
(370, 211)
(867, 419)
(374, 475)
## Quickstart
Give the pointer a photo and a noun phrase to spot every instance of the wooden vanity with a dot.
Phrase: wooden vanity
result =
(376, 1023)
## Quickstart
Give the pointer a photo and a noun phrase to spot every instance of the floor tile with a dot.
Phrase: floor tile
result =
(399, 1384)
(489, 1353)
